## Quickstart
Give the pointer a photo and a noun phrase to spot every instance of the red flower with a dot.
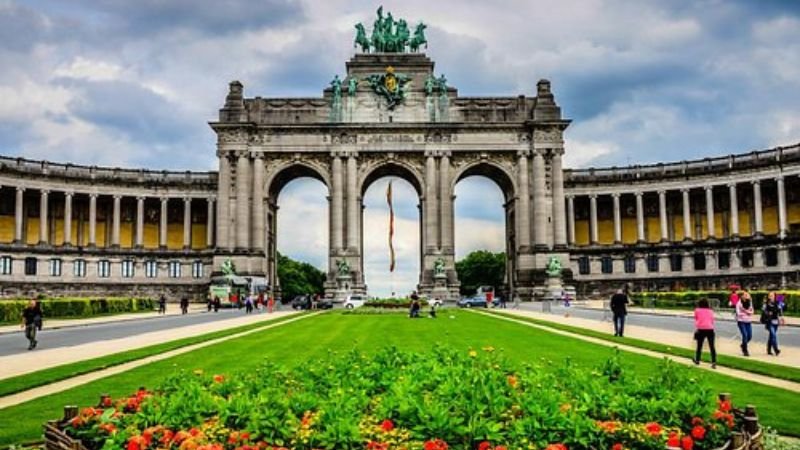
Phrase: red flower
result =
(674, 439)
(512, 381)
(725, 405)
(556, 447)
(372, 445)
(653, 428)
(245, 436)
(698, 432)
(485, 445)
(218, 378)
(107, 402)
(500, 447)
(617, 446)
(696, 421)
(687, 443)
(436, 444)
(137, 443)
(387, 426)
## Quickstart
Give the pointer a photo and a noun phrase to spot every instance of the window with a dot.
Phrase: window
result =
(630, 264)
(30, 266)
(652, 263)
(104, 268)
(771, 257)
(197, 269)
(747, 258)
(606, 264)
(583, 265)
(175, 269)
(79, 268)
(55, 267)
(151, 269)
(5, 265)
(699, 261)
(676, 262)
(724, 260)
(794, 256)
(128, 267)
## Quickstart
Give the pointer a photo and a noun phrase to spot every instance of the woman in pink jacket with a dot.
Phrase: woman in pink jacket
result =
(744, 317)
(704, 329)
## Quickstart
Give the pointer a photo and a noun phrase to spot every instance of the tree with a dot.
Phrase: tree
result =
(481, 268)
(297, 277)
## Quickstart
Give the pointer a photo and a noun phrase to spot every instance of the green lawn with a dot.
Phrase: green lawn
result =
(295, 342)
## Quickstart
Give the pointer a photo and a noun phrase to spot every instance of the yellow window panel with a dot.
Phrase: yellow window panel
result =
(150, 237)
(605, 231)
(677, 225)
(744, 224)
(582, 232)
(127, 235)
(7, 225)
(771, 220)
(101, 234)
(175, 236)
(629, 230)
(198, 235)
(32, 237)
(653, 229)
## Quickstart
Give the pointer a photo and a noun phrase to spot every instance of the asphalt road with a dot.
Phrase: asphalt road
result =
(787, 336)
(13, 343)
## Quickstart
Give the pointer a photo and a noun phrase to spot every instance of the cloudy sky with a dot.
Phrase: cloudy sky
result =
(133, 83)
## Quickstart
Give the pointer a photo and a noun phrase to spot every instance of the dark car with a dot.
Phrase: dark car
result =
(325, 303)
(301, 302)
(472, 302)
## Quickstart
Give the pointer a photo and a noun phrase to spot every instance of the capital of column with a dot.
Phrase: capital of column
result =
(211, 199)
(337, 153)
(570, 196)
(117, 196)
(615, 195)
(685, 190)
(20, 189)
(638, 193)
(708, 188)
(93, 195)
(755, 182)
(661, 192)
(187, 199)
(732, 184)
(69, 194)
(140, 198)
(524, 153)
(241, 153)
(164, 199)
(593, 196)
(779, 179)
(431, 153)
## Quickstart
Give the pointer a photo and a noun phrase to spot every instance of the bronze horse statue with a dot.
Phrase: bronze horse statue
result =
(419, 38)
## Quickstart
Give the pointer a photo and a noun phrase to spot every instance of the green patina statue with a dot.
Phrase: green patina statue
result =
(389, 35)
(553, 267)
(342, 268)
(438, 267)
(336, 84)
(389, 85)
(228, 268)
(352, 85)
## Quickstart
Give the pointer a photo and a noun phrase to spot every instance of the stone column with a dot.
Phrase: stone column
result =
(352, 203)
(68, 218)
(115, 221)
(571, 218)
(446, 199)
(539, 201)
(617, 219)
(259, 216)
(710, 212)
(210, 224)
(243, 201)
(43, 221)
(687, 215)
(782, 226)
(758, 213)
(593, 234)
(523, 211)
(162, 227)
(223, 201)
(639, 217)
(431, 223)
(139, 222)
(337, 225)
(662, 215)
(559, 228)
(734, 210)
(18, 217)
(187, 222)
(92, 220)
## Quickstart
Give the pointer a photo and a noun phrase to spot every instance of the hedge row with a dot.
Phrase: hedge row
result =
(688, 299)
(392, 303)
(11, 310)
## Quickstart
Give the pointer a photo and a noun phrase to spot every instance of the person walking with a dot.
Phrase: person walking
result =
(270, 304)
(185, 305)
(704, 329)
(249, 304)
(162, 304)
(619, 302)
(772, 318)
(744, 317)
(209, 303)
(217, 303)
(31, 322)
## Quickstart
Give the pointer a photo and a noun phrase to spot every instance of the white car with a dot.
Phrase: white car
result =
(435, 302)
(354, 301)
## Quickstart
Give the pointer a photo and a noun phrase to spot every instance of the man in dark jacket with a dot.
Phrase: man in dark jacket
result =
(619, 309)
(31, 321)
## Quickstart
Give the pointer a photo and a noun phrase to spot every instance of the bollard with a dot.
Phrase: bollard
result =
(750, 420)
(70, 411)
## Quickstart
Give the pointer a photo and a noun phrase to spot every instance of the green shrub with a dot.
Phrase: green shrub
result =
(11, 310)
(688, 299)
(392, 303)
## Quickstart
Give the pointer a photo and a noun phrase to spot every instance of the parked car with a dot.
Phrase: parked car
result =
(325, 303)
(435, 302)
(354, 301)
(472, 302)
(301, 302)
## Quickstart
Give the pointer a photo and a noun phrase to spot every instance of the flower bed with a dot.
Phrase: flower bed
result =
(393, 303)
(398, 400)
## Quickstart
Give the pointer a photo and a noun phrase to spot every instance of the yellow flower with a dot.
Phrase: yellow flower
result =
(473, 354)
(488, 349)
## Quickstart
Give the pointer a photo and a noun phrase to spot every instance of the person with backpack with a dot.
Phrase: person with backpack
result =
(772, 318)
(31, 322)
(704, 329)
(162, 304)
(744, 317)
(619, 302)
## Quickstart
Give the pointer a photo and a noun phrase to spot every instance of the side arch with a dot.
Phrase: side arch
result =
(285, 172)
(501, 175)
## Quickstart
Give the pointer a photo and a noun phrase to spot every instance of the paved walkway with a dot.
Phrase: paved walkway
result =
(761, 379)
(41, 391)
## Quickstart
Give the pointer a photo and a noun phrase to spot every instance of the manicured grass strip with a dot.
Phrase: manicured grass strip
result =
(294, 343)
(734, 362)
(46, 376)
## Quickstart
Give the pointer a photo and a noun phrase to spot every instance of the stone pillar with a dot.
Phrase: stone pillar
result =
(187, 222)
(115, 221)
(431, 223)
(662, 215)
(259, 216)
(617, 219)
(337, 225)
(687, 215)
(710, 212)
(92, 220)
(139, 222)
(523, 211)
(210, 224)
(593, 234)
(639, 217)
(352, 204)
(734, 210)
(571, 218)
(223, 202)
(162, 227)
(782, 225)
(758, 213)
(68, 218)
(18, 217)
(446, 207)
(43, 213)
(243, 201)
(539, 201)
(559, 227)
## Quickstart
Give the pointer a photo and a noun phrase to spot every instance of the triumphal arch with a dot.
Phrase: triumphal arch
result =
(391, 113)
